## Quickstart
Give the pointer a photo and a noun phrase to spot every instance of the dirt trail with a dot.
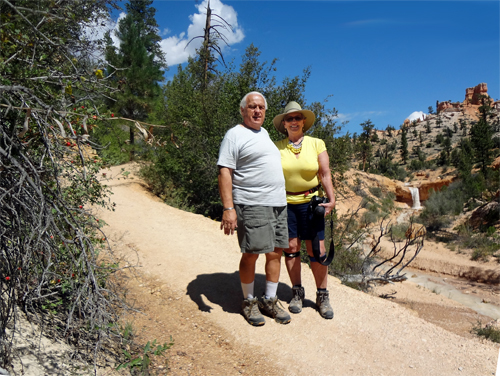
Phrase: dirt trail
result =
(194, 269)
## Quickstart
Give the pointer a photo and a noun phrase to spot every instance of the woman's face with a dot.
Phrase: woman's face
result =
(294, 123)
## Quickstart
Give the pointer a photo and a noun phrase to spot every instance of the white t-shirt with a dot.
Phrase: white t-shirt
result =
(256, 163)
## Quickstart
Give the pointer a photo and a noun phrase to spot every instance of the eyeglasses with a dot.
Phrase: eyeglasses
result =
(296, 118)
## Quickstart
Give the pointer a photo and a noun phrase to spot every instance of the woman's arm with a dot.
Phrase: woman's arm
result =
(326, 180)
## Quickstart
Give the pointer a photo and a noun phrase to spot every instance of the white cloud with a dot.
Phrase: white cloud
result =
(114, 27)
(175, 46)
(164, 32)
(361, 116)
(417, 115)
(94, 31)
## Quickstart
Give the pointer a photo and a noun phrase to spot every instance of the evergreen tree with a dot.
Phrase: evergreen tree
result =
(184, 170)
(447, 147)
(465, 158)
(439, 121)
(427, 127)
(404, 144)
(364, 145)
(481, 135)
(138, 65)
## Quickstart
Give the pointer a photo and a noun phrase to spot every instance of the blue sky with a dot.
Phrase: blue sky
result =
(381, 60)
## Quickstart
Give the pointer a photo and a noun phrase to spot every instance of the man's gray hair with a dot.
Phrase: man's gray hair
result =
(243, 102)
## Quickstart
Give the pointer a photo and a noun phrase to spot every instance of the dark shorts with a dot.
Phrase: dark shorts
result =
(300, 223)
(261, 229)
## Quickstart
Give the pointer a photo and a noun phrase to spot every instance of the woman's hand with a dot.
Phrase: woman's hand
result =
(329, 206)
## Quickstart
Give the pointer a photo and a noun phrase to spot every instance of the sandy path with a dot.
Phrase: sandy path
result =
(368, 335)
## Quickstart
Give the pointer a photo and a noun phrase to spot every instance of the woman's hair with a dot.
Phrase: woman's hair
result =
(243, 102)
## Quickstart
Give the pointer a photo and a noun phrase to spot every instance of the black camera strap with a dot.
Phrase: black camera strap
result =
(325, 260)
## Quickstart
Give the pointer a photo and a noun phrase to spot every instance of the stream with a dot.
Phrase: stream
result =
(441, 286)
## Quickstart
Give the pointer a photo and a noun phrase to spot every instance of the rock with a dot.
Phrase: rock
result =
(400, 190)
(496, 163)
(426, 187)
(471, 103)
(486, 215)
(472, 93)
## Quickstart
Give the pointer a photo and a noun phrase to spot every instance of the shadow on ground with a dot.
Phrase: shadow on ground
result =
(224, 289)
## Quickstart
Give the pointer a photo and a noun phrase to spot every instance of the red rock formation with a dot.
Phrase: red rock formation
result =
(472, 94)
(448, 106)
(470, 104)
(426, 187)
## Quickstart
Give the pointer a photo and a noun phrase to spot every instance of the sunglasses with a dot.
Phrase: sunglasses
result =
(296, 118)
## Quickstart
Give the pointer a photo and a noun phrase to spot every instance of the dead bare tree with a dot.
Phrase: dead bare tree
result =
(355, 265)
(211, 38)
(390, 269)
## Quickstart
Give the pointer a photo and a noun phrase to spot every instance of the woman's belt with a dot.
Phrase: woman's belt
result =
(305, 193)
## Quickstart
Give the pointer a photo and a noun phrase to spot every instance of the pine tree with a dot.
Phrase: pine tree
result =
(481, 136)
(404, 144)
(138, 65)
(364, 145)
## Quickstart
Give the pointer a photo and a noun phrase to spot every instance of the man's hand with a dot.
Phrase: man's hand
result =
(228, 223)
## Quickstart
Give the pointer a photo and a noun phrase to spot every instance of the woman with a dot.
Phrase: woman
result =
(306, 167)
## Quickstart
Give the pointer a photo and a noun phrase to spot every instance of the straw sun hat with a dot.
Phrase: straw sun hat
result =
(292, 107)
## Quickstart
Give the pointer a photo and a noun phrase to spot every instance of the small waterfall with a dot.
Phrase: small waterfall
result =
(415, 197)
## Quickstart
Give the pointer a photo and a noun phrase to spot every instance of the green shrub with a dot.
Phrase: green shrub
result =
(346, 261)
(115, 149)
(416, 165)
(399, 231)
(488, 332)
(484, 247)
(376, 191)
(387, 203)
(370, 217)
(401, 174)
(442, 206)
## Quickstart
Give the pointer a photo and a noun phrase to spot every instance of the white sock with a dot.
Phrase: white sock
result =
(247, 290)
(271, 289)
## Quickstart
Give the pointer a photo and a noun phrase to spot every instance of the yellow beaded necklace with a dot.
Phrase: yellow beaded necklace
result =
(295, 149)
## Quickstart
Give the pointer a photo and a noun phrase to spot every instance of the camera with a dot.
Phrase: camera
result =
(317, 210)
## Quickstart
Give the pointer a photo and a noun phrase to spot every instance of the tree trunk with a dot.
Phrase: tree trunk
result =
(132, 151)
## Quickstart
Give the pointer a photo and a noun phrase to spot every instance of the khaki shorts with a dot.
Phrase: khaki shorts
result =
(261, 229)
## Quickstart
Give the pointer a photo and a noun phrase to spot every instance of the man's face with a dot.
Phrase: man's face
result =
(254, 112)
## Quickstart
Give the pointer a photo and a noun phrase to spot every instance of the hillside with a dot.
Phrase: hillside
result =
(189, 266)
(452, 120)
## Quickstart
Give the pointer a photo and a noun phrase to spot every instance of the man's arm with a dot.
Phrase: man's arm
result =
(226, 194)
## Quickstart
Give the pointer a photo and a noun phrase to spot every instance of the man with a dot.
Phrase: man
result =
(252, 189)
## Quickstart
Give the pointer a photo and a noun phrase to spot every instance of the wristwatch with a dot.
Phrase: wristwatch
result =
(230, 208)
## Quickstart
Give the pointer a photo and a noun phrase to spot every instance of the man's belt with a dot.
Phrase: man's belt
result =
(305, 193)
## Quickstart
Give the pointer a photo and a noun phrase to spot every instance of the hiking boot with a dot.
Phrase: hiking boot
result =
(272, 308)
(250, 310)
(323, 303)
(295, 305)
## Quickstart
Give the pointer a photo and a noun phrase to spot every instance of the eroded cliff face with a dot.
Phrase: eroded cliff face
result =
(470, 105)
(401, 190)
